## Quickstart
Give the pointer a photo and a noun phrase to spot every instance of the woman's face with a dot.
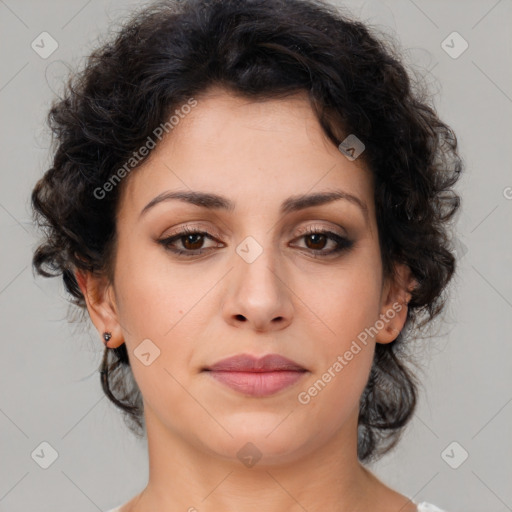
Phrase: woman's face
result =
(261, 285)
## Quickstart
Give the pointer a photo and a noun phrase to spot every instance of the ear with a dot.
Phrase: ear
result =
(396, 294)
(100, 300)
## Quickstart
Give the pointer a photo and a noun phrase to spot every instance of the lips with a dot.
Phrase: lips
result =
(256, 377)
(248, 363)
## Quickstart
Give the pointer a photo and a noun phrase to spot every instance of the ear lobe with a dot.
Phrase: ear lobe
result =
(100, 304)
(396, 295)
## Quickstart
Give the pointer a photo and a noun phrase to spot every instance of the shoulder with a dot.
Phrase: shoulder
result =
(428, 507)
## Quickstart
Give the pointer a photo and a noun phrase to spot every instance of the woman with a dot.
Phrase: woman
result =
(251, 200)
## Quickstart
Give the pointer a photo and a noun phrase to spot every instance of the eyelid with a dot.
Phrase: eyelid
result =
(193, 228)
(318, 227)
(213, 233)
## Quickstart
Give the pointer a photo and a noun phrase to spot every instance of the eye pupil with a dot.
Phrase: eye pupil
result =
(315, 237)
(192, 236)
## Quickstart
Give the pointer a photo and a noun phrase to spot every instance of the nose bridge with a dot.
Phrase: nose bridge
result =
(258, 263)
(256, 292)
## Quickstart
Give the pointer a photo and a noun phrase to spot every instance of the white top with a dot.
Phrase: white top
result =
(422, 507)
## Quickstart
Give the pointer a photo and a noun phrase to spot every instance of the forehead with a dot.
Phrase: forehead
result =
(245, 149)
(220, 112)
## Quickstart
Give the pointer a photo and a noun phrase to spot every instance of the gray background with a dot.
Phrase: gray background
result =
(49, 384)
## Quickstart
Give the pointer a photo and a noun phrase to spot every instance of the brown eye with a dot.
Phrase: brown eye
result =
(317, 240)
(191, 240)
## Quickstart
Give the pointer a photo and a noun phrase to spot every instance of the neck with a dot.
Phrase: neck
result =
(185, 475)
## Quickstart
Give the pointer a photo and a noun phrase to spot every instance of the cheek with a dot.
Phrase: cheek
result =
(348, 298)
(348, 302)
(158, 302)
(151, 298)
(155, 310)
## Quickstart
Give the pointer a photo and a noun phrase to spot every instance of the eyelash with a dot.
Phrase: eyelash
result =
(344, 244)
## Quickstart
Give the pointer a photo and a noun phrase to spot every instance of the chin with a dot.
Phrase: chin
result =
(260, 441)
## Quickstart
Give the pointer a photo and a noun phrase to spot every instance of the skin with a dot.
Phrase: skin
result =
(215, 305)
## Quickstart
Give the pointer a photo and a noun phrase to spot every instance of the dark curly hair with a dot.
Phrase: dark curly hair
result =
(170, 51)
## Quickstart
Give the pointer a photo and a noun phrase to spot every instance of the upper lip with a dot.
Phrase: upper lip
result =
(249, 363)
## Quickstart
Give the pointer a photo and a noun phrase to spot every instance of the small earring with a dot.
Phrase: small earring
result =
(106, 337)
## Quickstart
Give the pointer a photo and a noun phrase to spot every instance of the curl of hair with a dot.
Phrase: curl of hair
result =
(174, 50)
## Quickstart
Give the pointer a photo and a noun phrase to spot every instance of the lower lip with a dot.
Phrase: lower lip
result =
(257, 383)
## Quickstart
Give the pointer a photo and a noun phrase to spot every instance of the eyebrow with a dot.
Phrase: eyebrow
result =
(292, 204)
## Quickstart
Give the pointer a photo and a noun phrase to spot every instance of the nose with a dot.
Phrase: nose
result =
(258, 294)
